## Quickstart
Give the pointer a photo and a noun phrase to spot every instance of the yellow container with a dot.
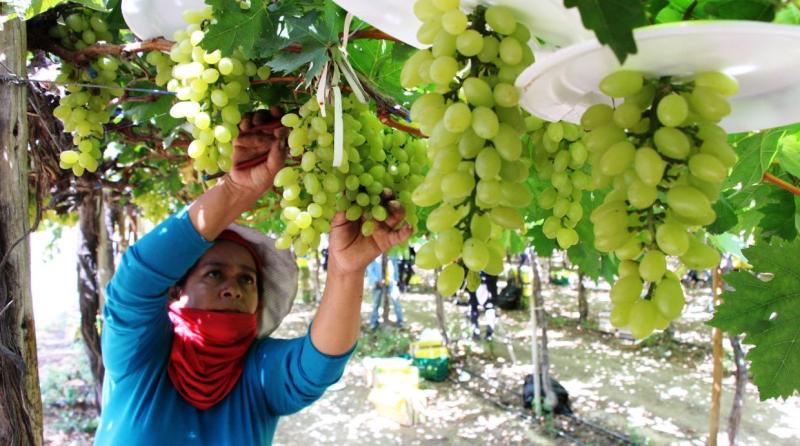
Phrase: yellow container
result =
(432, 353)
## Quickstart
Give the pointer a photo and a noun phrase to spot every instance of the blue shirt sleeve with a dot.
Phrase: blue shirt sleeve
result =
(136, 326)
(293, 374)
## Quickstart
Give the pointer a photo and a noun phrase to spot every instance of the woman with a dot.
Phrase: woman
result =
(193, 372)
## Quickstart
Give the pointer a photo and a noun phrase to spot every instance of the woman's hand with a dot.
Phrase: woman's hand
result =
(350, 251)
(270, 144)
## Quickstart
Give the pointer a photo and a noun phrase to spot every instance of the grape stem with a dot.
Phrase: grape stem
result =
(372, 33)
(387, 120)
(770, 178)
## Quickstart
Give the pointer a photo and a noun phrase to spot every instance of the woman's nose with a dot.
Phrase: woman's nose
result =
(231, 290)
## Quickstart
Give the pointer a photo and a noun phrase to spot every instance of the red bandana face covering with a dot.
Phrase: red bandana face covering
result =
(208, 351)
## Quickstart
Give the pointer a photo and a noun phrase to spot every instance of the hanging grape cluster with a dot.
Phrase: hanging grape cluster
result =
(665, 157)
(84, 110)
(211, 91)
(378, 165)
(561, 158)
(475, 125)
(80, 29)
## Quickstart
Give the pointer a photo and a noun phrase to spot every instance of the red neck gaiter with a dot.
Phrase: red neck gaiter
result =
(208, 351)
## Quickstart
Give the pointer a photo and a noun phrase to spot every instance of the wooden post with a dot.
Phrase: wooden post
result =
(89, 221)
(738, 398)
(440, 317)
(20, 398)
(550, 398)
(532, 304)
(583, 303)
(716, 387)
(105, 250)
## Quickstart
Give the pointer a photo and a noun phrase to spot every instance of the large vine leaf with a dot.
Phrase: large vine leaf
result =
(780, 215)
(236, 27)
(542, 245)
(789, 155)
(584, 255)
(756, 152)
(761, 10)
(726, 216)
(768, 313)
(156, 111)
(789, 15)
(380, 62)
(613, 22)
(29, 9)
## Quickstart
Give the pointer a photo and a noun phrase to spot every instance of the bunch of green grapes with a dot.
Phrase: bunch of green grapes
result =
(560, 157)
(666, 158)
(210, 89)
(84, 110)
(378, 164)
(475, 125)
(80, 29)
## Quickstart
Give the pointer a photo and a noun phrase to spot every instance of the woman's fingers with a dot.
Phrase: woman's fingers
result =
(261, 117)
(396, 214)
(254, 141)
(246, 123)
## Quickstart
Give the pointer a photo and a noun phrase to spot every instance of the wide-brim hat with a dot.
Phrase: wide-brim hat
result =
(278, 274)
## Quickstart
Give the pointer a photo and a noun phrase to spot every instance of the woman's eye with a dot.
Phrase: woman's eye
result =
(249, 280)
(214, 274)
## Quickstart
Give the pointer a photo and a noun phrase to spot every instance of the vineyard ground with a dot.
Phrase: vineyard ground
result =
(658, 394)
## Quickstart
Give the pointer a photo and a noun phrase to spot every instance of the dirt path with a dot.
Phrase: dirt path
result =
(657, 395)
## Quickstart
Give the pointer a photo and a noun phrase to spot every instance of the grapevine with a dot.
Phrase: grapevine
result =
(475, 127)
(665, 157)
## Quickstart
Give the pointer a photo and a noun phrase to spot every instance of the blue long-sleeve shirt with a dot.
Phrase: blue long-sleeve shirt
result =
(140, 403)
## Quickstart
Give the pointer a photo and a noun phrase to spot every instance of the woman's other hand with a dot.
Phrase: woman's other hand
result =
(350, 251)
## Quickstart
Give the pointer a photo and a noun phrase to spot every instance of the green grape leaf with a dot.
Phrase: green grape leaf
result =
(726, 216)
(789, 15)
(767, 311)
(588, 259)
(513, 242)
(779, 215)
(236, 27)
(756, 152)
(728, 243)
(761, 10)
(609, 269)
(652, 7)
(31, 8)
(613, 22)
(789, 155)
(543, 246)
(380, 62)
(288, 62)
(157, 111)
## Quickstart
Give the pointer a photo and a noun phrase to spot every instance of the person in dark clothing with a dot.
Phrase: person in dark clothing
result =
(406, 267)
(488, 294)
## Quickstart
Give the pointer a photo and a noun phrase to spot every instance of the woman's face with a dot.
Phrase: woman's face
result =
(224, 279)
